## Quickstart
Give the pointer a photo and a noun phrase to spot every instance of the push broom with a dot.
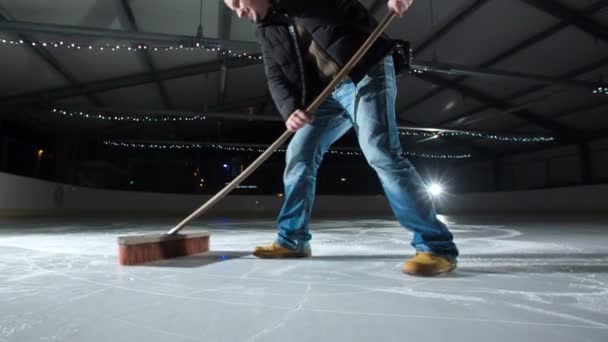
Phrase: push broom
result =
(146, 248)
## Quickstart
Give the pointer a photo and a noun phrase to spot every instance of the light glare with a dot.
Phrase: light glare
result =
(435, 189)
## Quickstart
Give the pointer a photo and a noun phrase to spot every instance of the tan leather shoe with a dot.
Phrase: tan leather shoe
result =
(277, 251)
(427, 265)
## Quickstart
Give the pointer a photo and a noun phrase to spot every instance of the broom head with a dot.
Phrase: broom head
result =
(140, 249)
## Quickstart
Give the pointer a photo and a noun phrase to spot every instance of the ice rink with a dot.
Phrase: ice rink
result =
(524, 279)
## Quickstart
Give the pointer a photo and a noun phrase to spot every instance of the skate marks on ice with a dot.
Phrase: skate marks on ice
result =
(508, 275)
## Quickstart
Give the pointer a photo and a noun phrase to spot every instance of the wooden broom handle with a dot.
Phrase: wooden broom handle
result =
(351, 64)
(283, 138)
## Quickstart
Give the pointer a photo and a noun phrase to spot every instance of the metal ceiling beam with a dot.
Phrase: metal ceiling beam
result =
(457, 19)
(475, 148)
(5, 14)
(6, 17)
(595, 135)
(571, 74)
(571, 16)
(585, 138)
(598, 6)
(145, 57)
(568, 112)
(560, 131)
(464, 70)
(50, 95)
(582, 141)
(224, 31)
(139, 37)
(510, 52)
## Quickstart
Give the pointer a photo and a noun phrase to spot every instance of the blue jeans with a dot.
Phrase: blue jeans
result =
(369, 108)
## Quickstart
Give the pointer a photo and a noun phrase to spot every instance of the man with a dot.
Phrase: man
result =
(304, 45)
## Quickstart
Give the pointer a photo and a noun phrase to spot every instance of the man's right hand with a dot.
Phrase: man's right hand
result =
(399, 6)
(298, 119)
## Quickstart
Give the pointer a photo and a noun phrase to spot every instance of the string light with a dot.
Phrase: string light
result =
(601, 90)
(201, 117)
(132, 48)
(231, 148)
(480, 135)
(129, 118)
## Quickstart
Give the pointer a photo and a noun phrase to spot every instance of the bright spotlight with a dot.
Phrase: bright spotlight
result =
(435, 189)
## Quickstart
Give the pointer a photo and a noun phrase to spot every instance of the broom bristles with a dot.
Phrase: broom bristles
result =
(135, 250)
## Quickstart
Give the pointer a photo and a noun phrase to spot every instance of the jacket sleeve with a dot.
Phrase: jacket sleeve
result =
(283, 95)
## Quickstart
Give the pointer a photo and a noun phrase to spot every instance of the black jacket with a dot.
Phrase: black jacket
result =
(339, 27)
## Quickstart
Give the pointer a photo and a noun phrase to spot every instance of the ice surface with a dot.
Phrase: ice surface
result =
(518, 280)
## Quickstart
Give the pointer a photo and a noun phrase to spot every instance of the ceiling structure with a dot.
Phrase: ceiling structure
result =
(510, 68)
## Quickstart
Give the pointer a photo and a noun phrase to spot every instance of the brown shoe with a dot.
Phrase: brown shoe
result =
(277, 251)
(427, 265)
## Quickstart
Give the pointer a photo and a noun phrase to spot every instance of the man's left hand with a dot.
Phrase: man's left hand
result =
(399, 6)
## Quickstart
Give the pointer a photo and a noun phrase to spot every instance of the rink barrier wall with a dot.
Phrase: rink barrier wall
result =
(27, 197)
(574, 200)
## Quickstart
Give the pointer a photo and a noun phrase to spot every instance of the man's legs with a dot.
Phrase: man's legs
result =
(371, 105)
(304, 155)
